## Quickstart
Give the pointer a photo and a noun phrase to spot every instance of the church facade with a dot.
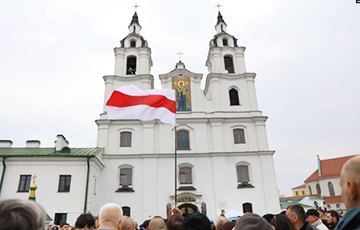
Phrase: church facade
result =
(223, 159)
(223, 163)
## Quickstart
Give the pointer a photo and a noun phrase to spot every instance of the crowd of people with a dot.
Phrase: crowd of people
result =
(29, 215)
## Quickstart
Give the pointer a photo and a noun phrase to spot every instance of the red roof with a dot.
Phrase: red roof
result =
(329, 168)
(332, 199)
(300, 186)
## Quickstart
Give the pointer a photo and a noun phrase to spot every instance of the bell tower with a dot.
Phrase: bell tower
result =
(132, 62)
(224, 54)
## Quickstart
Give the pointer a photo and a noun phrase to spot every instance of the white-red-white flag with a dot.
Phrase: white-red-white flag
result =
(130, 102)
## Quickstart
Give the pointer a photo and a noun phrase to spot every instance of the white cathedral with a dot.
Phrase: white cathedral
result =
(224, 164)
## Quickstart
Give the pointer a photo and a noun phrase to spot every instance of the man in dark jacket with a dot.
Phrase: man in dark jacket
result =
(296, 214)
(350, 194)
(332, 219)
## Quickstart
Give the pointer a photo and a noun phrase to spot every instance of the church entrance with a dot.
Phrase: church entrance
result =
(188, 208)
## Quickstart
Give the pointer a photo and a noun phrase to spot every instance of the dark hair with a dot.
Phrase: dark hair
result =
(334, 214)
(85, 219)
(298, 210)
(196, 221)
(62, 225)
(175, 222)
(283, 223)
(229, 225)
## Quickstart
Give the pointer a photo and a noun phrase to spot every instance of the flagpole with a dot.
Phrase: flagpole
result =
(175, 169)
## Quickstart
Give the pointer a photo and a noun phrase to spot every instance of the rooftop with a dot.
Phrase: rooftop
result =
(49, 152)
(329, 168)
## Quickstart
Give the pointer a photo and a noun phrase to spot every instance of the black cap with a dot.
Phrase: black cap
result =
(312, 212)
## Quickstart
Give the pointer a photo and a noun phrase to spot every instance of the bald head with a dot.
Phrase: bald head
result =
(350, 182)
(127, 223)
(220, 222)
(110, 215)
(157, 223)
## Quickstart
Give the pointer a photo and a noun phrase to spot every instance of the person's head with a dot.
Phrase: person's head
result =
(175, 222)
(196, 221)
(65, 226)
(54, 227)
(350, 182)
(283, 223)
(251, 221)
(126, 223)
(312, 215)
(332, 217)
(145, 224)
(110, 215)
(238, 218)
(97, 224)
(268, 217)
(220, 222)
(50, 225)
(157, 223)
(296, 214)
(85, 221)
(229, 225)
(21, 214)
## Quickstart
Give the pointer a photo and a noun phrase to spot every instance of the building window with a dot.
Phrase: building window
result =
(331, 189)
(337, 205)
(125, 177)
(225, 42)
(125, 139)
(318, 189)
(242, 173)
(247, 207)
(24, 183)
(297, 193)
(234, 97)
(132, 43)
(310, 192)
(182, 140)
(303, 192)
(60, 218)
(64, 183)
(185, 175)
(126, 211)
(131, 65)
(239, 136)
(229, 65)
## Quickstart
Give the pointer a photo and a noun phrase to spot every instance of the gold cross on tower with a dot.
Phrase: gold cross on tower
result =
(34, 177)
(218, 6)
(136, 6)
(179, 53)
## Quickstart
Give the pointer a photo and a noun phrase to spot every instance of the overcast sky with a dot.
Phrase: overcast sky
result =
(306, 55)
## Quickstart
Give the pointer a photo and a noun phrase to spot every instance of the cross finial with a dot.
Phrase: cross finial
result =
(218, 6)
(179, 53)
(34, 177)
(136, 6)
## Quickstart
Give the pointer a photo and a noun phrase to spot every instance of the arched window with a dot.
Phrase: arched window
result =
(310, 192)
(182, 140)
(225, 42)
(239, 136)
(318, 189)
(229, 65)
(125, 176)
(247, 207)
(331, 189)
(234, 97)
(132, 43)
(125, 139)
(131, 65)
(242, 173)
(126, 211)
(185, 175)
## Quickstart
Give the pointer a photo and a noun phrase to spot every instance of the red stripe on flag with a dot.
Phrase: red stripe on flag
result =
(121, 100)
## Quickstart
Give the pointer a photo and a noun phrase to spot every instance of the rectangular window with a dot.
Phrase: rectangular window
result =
(242, 173)
(185, 175)
(125, 176)
(239, 136)
(64, 183)
(60, 218)
(125, 139)
(24, 183)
